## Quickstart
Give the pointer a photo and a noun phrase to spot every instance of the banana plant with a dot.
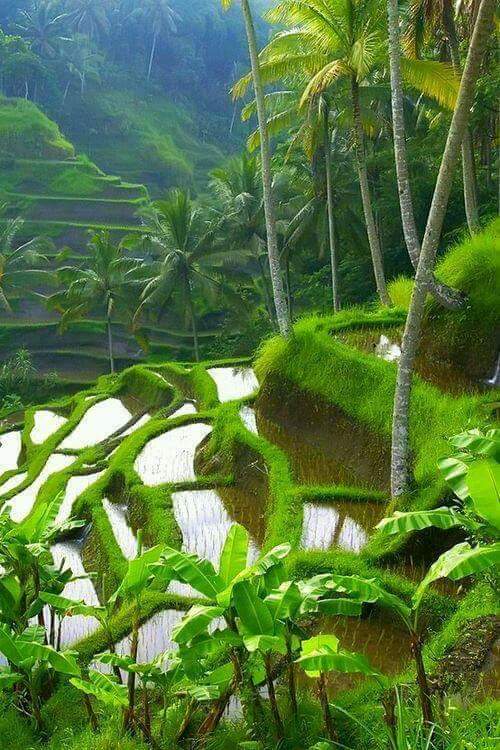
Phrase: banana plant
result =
(473, 473)
(322, 654)
(137, 578)
(31, 661)
(460, 561)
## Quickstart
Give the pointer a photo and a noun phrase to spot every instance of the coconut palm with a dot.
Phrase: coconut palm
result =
(19, 263)
(43, 25)
(161, 17)
(184, 257)
(105, 283)
(436, 17)
(282, 312)
(400, 459)
(336, 42)
(89, 17)
(238, 188)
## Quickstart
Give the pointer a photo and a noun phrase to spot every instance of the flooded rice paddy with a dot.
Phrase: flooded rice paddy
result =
(10, 450)
(76, 485)
(345, 525)
(233, 382)
(170, 456)
(22, 503)
(118, 518)
(97, 424)
(46, 423)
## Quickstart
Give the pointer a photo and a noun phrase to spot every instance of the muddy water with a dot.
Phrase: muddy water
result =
(248, 418)
(170, 456)
(323, 444)
(75, 487)
(345, 525)
(22, 504)
(76, 627)
(10, 449)
(97, 424)
(233, 382)
(46, 423)
(379, 637)
(117, 515)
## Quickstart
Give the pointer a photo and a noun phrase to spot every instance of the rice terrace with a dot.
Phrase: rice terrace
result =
(250, 375)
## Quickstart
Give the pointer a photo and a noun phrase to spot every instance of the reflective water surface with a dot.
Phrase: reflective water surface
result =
(46, 423)
(117, 514)
(233, 382)
(97, 424)
(74, 628)
(10, 448)
(170, 456)
(346, 525)
(22, 503)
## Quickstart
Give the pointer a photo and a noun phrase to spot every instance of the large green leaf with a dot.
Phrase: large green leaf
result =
(254, 614)
(343, 607)
(105, 689)
(195, 621)
(458, 562)
(233, 559)
(403, 523)
(454, 470)
(190, 569)
(483, 480)
(265, 643)
(8, 646)
(284, 602)
(262, 567)
(321, 654)
(138, 574)
(62, 662)
(476, 442)
(368, 590)
(71, 607)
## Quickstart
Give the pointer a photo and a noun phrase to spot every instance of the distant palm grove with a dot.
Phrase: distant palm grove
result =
(249, 323)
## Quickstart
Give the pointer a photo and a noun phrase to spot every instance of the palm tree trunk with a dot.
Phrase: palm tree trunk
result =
(193, 321)
(110, 344)
(468, 166)
(443, 294)
(371, 229)
(265, 289)
(331, 217)
(152, 54)
(265, 151)
(400, 458)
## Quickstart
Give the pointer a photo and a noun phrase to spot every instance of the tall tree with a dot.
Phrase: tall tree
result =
(104, 284)
(444, 294)
(20, 264)
(282, 312)
(43, 25)
(440, 15)
(161, 17)
(400, 460)
(183, 258)
(89, 17)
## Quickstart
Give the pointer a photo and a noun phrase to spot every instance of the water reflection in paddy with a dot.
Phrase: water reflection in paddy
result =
(97, 424)
(117, 515)
(154, 636)
(345, 525)
(46, 423)
(233, 382)
(22, 503)
(248, 418)
(76, 485)
(170, 456)
(10, 448)
(13, 482)
(68, 555)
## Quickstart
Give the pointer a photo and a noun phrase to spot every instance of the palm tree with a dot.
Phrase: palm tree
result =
(400, 429)
(238, 187)
(332, 42)
(436, 16)
(161, 17)
(43, 26)
(105, 283)
(89, 17)
(282, 312)
(184, 256)
(446, 296)
(19, 272)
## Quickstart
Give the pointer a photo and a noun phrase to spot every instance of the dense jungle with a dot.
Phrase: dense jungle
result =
(249, 376)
